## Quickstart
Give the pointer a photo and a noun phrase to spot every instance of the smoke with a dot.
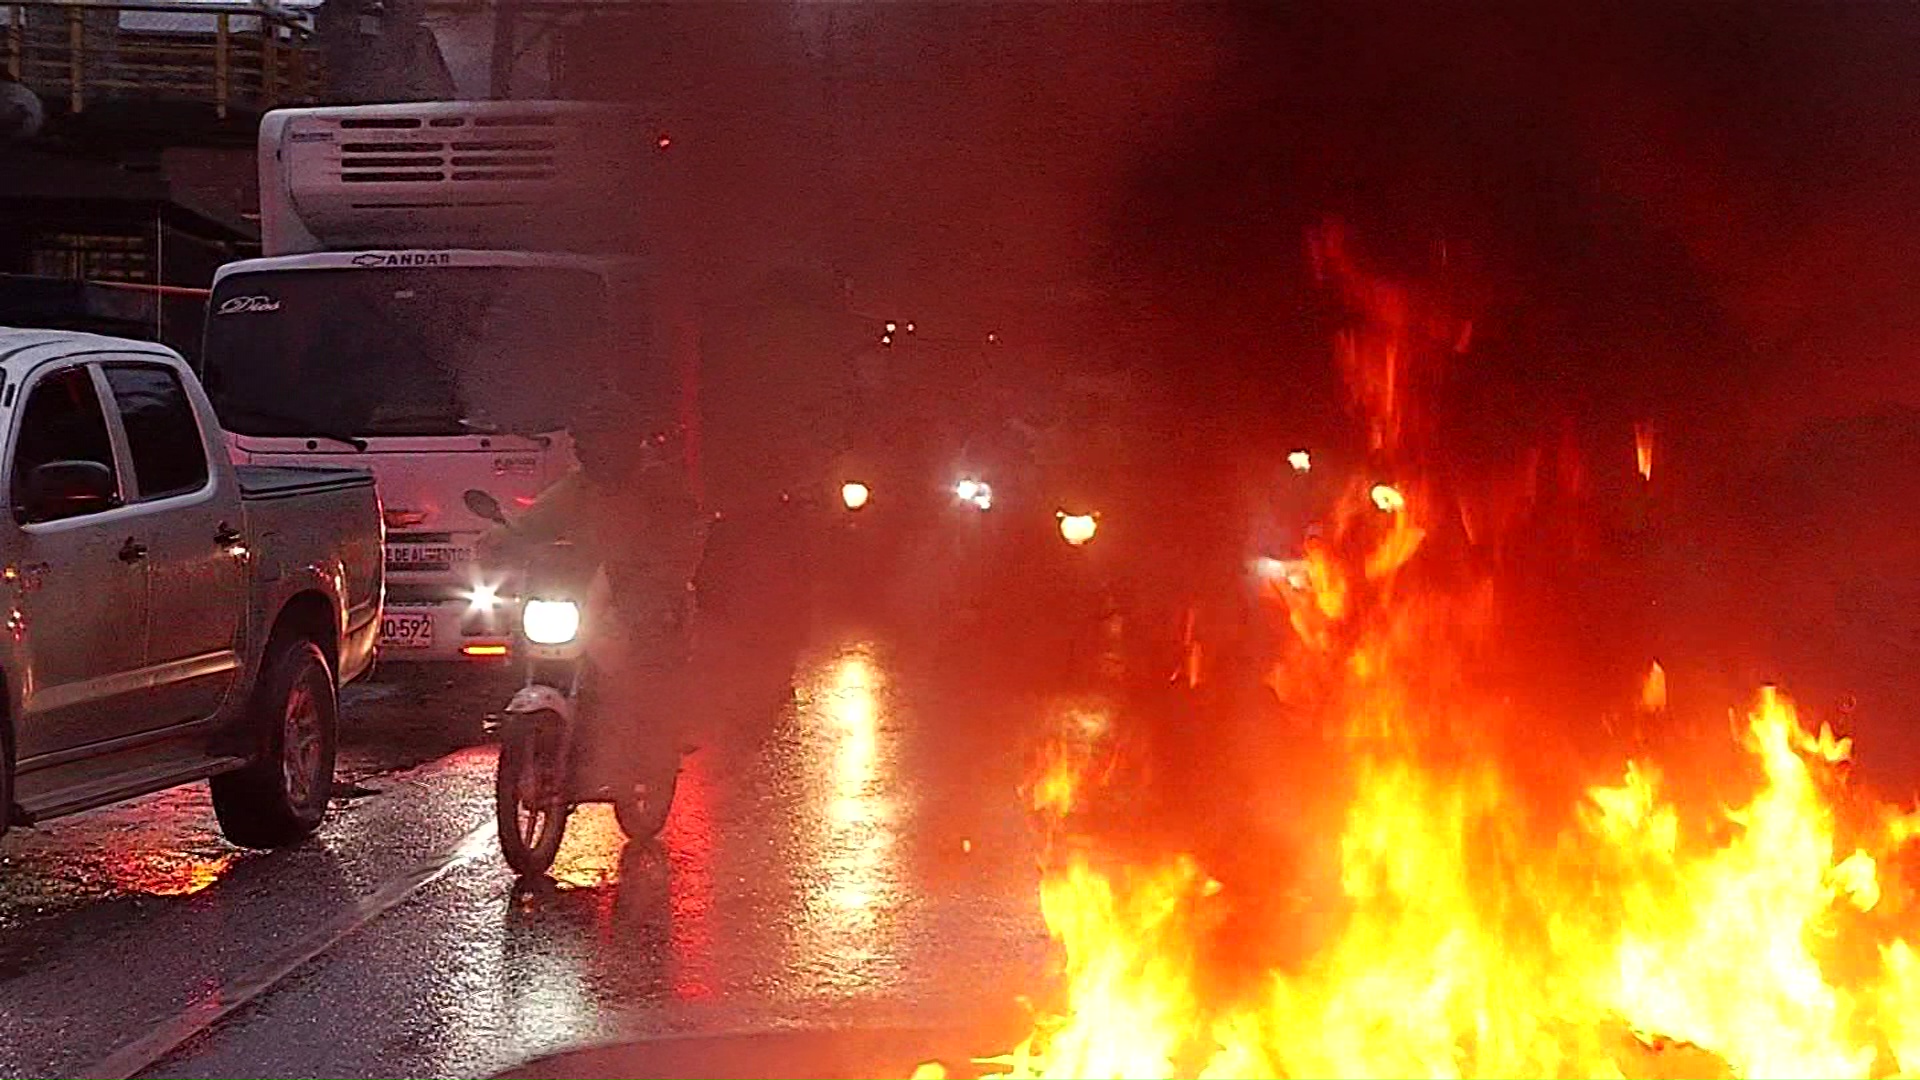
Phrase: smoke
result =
(953, 161)
(1699, 217)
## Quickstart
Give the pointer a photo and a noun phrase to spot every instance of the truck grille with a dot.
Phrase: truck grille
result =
(456, 160)
(488, 148)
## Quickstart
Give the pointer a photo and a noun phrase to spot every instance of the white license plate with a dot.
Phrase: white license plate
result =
(425, 556)
(411, 630)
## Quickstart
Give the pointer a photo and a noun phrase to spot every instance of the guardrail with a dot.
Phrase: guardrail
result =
(229, 54)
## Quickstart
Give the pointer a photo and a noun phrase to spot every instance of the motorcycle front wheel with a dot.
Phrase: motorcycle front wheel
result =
(529, 798)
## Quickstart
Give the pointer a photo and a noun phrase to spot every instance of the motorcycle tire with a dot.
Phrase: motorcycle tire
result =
(643, 816)
(529, 837)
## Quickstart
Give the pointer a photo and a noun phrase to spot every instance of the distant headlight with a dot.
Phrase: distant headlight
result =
(550, 622)
(854, 494)
(975, 493)
(1077, 529)
(1291, 572)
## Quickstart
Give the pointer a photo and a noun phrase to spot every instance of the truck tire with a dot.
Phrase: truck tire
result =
(282, 796)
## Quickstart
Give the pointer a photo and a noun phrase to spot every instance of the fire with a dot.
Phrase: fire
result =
(1643, 450)
(1484, 914)
(1653, 691)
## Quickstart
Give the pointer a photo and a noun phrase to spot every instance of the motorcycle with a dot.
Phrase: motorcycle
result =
(543, 773)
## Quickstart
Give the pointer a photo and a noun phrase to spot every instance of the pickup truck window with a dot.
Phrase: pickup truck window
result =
(163, 436)
(61, 421)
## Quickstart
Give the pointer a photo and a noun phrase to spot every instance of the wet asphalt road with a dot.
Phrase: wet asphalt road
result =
(858, 858)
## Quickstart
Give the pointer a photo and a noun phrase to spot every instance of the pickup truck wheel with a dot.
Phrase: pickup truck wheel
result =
(282, 796)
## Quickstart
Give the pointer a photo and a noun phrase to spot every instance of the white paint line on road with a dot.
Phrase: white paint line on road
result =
(133, 1058)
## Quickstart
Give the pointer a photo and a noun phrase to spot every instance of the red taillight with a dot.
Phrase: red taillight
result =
(404, 519)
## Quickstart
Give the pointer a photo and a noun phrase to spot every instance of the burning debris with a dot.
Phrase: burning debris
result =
(1489, 907)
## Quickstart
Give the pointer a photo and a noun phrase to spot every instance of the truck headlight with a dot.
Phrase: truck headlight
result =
(550, 622)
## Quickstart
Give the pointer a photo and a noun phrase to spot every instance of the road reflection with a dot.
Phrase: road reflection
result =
(632, 918)
(160, 846)
(847, 857)
(689, 840)
(166, 873)
(589, 856)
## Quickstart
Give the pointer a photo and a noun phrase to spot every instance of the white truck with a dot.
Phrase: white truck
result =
(439, 281)
(169, 617)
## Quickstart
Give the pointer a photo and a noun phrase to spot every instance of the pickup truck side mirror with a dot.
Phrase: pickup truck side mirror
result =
(64, 489)
(483, 505)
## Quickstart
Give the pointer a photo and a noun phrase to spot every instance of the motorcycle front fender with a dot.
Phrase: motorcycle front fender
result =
(531, 700)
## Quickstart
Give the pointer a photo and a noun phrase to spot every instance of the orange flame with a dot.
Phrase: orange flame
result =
(1653, 691)
(1486, 919)
(1643, 450)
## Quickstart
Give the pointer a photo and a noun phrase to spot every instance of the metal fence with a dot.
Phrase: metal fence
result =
(227, 54)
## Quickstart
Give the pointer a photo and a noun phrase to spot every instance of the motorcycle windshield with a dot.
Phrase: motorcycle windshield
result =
(561, 572)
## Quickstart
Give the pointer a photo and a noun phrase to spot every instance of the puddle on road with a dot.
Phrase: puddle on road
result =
(160, 848)
(166, 847)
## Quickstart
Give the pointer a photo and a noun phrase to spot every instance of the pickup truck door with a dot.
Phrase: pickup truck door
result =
(76, 585)
(189, 518)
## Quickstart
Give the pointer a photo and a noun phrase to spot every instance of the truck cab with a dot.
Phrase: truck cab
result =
(438, 291)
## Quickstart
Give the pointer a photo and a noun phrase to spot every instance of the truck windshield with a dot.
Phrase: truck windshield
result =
(406, 351)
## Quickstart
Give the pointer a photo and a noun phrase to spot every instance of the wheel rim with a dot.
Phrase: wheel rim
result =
(301, 739)
(533, 810)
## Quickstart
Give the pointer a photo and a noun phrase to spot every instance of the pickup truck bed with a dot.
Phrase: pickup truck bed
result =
(279, 482)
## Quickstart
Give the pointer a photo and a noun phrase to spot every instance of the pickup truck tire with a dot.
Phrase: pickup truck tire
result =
(282, 796)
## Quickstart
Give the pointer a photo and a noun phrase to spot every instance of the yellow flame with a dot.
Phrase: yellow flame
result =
(1633, 932)
(1478, 922)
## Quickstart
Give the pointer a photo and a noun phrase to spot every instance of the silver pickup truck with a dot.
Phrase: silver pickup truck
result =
(165, 617)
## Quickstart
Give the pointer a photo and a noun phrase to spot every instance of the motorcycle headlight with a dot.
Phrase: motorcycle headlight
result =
(550, 622)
